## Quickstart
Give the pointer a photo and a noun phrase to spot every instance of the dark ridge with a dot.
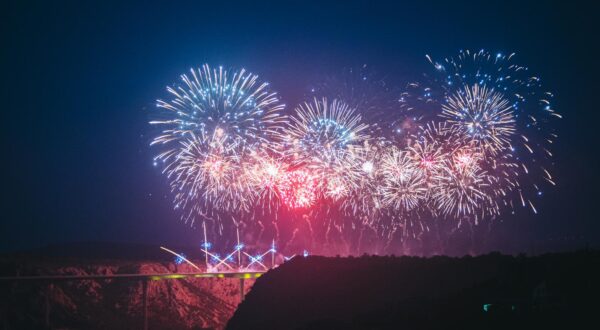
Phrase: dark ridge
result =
(552, 291)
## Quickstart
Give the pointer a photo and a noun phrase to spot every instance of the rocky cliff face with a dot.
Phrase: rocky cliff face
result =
(115, 304)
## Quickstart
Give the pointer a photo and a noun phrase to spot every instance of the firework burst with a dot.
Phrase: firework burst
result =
(472, 140)
(502, 107)
(262, 173)
(328, 139)
(214, 119)
(482, 115)
(322, 134)
(298, 189)
(460, 189)
(197, 177)
(433, 143)
(363, 174)
(404, 184)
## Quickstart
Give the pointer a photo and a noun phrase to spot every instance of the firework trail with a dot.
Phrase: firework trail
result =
(365, 90)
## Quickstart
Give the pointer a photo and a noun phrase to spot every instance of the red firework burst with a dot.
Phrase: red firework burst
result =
(298, 189)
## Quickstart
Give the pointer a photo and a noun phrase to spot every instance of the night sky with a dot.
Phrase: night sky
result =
(81, 80)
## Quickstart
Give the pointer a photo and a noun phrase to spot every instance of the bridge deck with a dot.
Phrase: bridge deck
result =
(152, 277)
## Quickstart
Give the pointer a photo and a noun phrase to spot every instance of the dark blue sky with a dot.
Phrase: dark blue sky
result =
(80, 81)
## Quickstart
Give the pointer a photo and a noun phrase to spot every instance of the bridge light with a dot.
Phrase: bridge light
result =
(179, 259)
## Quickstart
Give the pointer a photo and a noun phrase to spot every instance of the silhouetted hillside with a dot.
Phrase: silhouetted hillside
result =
(492, 291)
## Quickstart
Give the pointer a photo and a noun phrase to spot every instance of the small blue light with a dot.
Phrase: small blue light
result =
(179, 259)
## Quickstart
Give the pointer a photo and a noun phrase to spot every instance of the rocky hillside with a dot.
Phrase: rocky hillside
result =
(113, 304)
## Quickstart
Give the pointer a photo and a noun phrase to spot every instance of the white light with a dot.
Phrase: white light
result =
(271, 169)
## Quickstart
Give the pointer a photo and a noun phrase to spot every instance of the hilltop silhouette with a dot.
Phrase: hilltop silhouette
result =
(492, 291)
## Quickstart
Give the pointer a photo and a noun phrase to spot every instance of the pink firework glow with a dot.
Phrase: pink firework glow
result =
(298, 189)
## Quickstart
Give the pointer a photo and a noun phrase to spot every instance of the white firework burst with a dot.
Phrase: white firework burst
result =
(403, 182)
(483, 115)
(214, 119)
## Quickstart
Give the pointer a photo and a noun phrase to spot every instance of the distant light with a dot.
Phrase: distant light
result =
(179, 259)
(305, 254)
